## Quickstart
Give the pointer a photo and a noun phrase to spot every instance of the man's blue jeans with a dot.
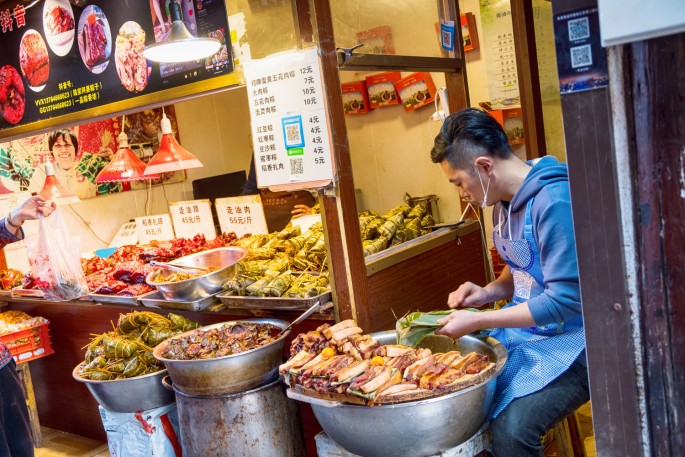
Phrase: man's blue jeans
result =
(516, 431)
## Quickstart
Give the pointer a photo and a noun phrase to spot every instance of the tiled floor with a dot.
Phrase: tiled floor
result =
(57, 443)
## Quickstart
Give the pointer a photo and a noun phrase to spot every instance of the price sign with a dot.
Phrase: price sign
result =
(193, 217)
(156, 227)
(127, 234)
(288, 113)
(242, 215)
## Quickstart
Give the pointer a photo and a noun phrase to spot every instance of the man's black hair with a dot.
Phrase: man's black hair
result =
(466, 135)
(56, 135)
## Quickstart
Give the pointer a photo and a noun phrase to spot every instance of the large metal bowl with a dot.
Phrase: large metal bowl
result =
(229, 374)
(129, 395)
(418, 428)
(203, 286)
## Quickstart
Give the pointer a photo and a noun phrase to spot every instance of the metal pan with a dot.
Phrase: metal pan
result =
(156, 300)
(115, 299)
(232, 301)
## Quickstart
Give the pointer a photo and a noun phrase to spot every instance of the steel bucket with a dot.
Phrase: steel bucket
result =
(431, 202)
(257, 423)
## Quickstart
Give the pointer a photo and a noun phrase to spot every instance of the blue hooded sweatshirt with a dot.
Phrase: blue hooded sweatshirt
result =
(547, 184)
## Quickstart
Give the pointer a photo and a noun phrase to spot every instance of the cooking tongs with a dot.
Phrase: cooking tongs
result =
(312, 309)
(179, 268)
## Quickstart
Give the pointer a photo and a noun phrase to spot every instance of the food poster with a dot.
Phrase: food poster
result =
(57, 58)
(79, 153)
(289, 125)
(500, 53)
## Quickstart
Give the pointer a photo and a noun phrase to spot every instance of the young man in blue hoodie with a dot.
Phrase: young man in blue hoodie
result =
(545, 377)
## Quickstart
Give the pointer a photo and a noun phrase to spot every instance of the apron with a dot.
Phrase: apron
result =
(536, 355)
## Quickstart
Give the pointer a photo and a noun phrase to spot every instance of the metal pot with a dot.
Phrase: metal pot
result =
(129, 395)
(228, 374)
(259, 422)
(203, 286)
(418, 428)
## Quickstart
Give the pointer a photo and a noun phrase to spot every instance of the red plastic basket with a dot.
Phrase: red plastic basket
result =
(29, 344)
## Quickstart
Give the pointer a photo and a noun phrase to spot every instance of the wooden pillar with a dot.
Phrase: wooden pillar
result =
(529, 77)
(658, 155)
(341, 222)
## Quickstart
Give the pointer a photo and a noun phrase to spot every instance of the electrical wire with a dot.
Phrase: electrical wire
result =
(87, 225)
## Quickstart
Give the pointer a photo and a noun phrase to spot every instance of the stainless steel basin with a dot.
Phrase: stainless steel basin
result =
(419, 428)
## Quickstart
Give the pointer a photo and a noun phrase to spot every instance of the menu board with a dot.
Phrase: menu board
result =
(289, 125)
(63, 63)
(154, 228)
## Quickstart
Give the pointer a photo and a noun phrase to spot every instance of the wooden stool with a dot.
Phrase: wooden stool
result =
(25, 376)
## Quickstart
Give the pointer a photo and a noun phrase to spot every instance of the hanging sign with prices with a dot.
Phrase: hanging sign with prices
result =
(154, 228)
(242, 215)
(127, 235)
(289, 125)
(193, 217)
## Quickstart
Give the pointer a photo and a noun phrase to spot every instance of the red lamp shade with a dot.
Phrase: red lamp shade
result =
(124, 166)
(170, 156)
(53, 190)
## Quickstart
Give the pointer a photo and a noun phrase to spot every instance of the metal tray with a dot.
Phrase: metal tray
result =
(231, 301)
(116, 299)
(156, 300)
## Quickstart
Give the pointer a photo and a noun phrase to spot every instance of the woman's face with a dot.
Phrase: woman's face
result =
(64, 152)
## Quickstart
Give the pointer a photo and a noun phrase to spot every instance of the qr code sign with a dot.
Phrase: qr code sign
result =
(296, 166)
(579, 29)
(293, 134)
(446, 39)
(581, 56)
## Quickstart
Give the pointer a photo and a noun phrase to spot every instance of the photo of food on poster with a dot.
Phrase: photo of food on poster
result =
(78, 154)
(58, 58)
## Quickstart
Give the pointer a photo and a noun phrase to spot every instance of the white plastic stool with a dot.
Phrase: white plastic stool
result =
(481, 441)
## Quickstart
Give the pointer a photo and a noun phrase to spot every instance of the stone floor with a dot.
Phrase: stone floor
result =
(57, 443)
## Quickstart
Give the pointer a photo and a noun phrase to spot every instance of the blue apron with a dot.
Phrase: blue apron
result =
(537, 355)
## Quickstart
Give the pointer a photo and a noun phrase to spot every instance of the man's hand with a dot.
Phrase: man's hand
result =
(468, 295)
(301, 210)
(460, 323)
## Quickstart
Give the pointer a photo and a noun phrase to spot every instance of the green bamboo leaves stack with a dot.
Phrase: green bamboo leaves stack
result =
(414, 327)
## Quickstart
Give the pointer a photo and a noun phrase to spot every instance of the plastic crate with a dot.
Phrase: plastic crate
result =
(29, 344)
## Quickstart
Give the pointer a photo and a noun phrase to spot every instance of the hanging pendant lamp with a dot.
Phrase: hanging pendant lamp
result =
(180, 45)
(170, 156)
(124, 166)
(53, 190)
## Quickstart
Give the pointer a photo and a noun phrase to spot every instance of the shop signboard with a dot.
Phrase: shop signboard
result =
(242, 215)
(157, 228)
(62, 64)
(126, 235)
(289, 126)
(193, 217)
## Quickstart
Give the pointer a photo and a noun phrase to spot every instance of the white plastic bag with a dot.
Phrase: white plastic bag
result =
(143, 434)
(55, 260)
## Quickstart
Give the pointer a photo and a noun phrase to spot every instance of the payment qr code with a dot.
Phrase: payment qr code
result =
(581, 56)
(293, 133)
(296, 166)
(446, 39)
(579, 29)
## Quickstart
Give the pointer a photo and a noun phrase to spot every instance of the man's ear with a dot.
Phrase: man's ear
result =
(484, 163)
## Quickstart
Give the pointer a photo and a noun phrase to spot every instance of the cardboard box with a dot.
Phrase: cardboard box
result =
(355, 98)
(381, 89)
(416, 90)
(511, 121)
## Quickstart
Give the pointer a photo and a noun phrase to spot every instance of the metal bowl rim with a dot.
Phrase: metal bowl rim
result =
(494, 344)
(78, 377)
(151, 275)
(275, 322)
